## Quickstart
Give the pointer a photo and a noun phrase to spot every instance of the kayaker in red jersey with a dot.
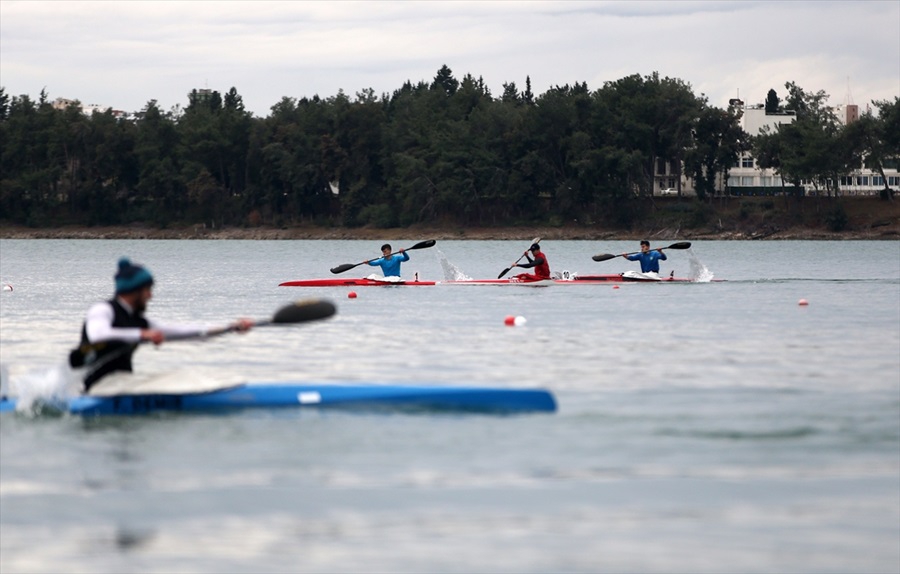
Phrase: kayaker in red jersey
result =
(539, 263)
(113, 329)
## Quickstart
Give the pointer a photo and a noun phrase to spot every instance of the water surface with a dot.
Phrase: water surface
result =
(703, 427)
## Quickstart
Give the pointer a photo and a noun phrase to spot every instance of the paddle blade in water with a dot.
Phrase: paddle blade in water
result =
(307, 310)
(680, 245)
(504, 272)
(603, 256)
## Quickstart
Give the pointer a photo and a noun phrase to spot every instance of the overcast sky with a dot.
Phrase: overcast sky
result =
(126, 53)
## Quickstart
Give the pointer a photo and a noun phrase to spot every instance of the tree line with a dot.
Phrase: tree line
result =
(444, 152)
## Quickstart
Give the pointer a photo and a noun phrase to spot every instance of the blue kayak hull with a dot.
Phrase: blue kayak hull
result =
(281, 395)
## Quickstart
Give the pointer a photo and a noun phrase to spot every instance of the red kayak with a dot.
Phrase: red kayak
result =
(627, 277)
(366, 282)
(348, 282)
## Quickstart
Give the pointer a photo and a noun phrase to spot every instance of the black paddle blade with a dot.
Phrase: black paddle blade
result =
(423, 245)
(680, 245)
(343, 267)
(504, 272)
(603, 257)
(302, 311)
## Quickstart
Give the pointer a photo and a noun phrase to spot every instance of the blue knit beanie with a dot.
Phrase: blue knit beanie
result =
(131, 277)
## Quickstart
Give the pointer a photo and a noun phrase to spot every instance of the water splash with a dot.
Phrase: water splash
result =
(47, 387)
(451, 271)
(699, 272)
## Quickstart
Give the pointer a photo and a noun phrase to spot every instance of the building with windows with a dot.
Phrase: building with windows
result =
(666, 176)
(747, 178)
(87, 109)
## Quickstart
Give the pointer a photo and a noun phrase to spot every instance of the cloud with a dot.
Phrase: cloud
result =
(126, 53)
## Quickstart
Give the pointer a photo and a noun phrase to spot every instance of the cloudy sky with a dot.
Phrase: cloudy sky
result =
(123, 54)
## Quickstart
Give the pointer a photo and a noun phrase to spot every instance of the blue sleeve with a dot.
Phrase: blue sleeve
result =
(405, 256)
(376, 262)
(634, 257)
(662, 255)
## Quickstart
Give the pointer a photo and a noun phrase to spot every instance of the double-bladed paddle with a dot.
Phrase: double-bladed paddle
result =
(349, 266)
(505, 271)
(296, 312)
(608, 256)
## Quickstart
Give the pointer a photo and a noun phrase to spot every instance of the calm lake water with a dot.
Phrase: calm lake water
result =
(703, 427)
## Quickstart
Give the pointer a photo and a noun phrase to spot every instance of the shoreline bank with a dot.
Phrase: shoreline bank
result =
(879, 232)
(749, 218)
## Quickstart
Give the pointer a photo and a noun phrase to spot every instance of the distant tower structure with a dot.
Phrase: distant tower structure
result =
(849, 112)
(203, 94)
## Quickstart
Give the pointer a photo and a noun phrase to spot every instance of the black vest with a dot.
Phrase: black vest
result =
(107, 356)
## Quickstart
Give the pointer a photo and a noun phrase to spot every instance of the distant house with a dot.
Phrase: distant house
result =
(63, 103)
(747, 178)
(89, 109)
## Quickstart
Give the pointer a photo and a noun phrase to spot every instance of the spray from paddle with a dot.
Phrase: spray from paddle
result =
(451, 271)
(41, 388)
(699, 272)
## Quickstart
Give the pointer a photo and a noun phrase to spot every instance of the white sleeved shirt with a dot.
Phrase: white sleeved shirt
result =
(98, 326)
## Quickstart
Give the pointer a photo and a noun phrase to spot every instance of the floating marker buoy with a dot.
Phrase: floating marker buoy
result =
(514, 321)
(803, 302)
(615, 286)
(7, 287)
(351, 295)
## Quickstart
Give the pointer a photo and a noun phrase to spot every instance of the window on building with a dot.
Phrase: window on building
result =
(747, 161)
(671, 183)
(765, 181)
(877, 180)
(746, 180)
(846, 181)
(893, 180)
(862, 180)
(733, 181)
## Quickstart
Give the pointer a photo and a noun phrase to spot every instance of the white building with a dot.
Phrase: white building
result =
(87, 109)
(748, 179)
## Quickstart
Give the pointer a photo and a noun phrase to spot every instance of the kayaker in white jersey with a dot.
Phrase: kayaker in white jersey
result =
(113, 329)
(390, 265)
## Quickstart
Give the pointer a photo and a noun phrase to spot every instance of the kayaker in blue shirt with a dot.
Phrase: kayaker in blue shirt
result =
(649, 259)
(390, 265)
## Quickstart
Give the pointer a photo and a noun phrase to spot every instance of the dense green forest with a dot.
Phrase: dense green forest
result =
(445, 152)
